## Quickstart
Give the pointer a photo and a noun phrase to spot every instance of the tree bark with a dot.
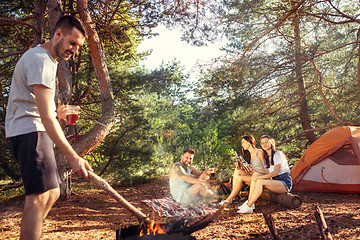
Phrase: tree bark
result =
(286, 199)
(96, 135)
(304, 107)
(63, 94)
(39, 10)
(358, 65)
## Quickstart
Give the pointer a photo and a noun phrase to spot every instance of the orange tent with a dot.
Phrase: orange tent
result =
(330, 164)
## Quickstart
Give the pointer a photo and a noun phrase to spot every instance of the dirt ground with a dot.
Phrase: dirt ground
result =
(93, 214)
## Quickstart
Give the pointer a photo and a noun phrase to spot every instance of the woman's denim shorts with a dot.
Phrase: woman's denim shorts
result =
(285, 178)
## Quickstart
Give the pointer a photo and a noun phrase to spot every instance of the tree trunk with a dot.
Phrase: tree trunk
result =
(63, 94)
(304, 107)
(358, 65)
(96, 135)
(39, 10)
(65, 175)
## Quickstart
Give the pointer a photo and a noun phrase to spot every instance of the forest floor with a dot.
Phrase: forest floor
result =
(93, 214)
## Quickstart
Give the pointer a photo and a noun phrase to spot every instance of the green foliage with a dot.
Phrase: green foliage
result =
(10, 193)
(256, 92)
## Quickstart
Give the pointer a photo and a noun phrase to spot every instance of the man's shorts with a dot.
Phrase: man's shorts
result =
(188, 197)
(35, 154)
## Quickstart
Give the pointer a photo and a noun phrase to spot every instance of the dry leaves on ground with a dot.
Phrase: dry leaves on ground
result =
(92, 214)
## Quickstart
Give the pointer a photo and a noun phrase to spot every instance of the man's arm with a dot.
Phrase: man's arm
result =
(197, 172)
(44, 101)
(176, 172)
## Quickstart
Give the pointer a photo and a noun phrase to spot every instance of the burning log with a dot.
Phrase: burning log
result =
(175, 229)
(135, 232)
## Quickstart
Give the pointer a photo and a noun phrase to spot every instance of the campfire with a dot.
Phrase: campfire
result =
(174, 229)
(177, 229)
(153, 229)
(154, 232)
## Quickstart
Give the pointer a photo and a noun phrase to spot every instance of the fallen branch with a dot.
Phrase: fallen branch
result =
(101, 183)
(270, 223)
(324, 230)
(11, 186)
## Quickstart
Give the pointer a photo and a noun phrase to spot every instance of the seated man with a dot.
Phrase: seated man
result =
(185, 188)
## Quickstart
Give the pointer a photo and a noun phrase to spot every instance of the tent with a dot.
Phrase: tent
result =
(330, 164)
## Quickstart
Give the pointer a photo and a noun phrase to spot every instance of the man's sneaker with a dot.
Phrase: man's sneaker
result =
(245, 209)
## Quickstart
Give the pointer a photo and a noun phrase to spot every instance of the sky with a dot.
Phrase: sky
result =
(168, 45)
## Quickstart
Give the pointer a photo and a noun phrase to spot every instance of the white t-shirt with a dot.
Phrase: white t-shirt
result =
(279, 158)
(36, 66)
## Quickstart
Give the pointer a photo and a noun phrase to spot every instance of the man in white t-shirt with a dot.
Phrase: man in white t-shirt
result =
(32, 128)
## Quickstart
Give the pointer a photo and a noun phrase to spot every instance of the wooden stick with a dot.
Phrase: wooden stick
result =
(12, 186)
(270, 223)
(101, 183)
(320, 219)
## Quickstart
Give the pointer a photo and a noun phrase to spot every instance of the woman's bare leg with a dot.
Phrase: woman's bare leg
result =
(257, 187)
(237, 185)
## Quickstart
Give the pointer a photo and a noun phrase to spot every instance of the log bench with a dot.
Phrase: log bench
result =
(290, 200)
(286, 199)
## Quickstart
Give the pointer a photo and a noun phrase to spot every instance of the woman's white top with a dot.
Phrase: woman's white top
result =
(280, 158)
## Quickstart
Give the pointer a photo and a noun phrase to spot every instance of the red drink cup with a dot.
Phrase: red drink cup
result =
(71, 118)
(72, 114)
(212, 172)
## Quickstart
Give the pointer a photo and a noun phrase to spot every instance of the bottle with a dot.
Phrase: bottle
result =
(244, 164)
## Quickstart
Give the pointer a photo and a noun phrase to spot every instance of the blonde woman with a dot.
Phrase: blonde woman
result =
(277, 179)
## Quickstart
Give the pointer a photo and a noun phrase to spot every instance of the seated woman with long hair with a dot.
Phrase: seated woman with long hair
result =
(255, 158)
(277, 179)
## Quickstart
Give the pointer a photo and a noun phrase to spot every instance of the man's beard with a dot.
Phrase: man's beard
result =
(58, 50)
(185, 164)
